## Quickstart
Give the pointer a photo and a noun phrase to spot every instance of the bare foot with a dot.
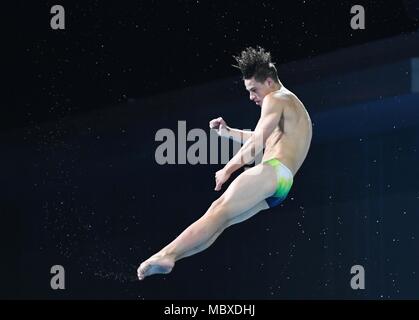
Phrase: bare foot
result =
(154, 265)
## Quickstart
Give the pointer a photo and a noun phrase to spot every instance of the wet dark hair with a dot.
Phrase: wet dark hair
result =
(256, 62)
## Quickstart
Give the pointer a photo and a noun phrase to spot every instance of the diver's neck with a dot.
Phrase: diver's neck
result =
(278, 86)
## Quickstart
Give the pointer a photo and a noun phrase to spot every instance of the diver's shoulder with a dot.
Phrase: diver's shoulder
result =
(281, 96)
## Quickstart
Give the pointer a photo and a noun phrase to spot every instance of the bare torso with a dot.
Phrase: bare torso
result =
(290, 140)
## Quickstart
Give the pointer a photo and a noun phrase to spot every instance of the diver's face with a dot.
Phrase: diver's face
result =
(257, 90)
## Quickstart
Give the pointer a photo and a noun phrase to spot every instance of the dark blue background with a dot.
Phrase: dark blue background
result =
(82, 189)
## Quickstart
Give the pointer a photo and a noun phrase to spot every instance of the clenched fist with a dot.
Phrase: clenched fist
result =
(220, 126)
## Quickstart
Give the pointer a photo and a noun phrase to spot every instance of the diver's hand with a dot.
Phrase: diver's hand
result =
(221, 177)
(220, 126)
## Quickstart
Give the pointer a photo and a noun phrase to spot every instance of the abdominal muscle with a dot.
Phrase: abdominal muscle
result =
(290, 149)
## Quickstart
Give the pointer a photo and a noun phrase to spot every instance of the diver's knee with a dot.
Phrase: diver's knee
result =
(222, 203)
(220, 209)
